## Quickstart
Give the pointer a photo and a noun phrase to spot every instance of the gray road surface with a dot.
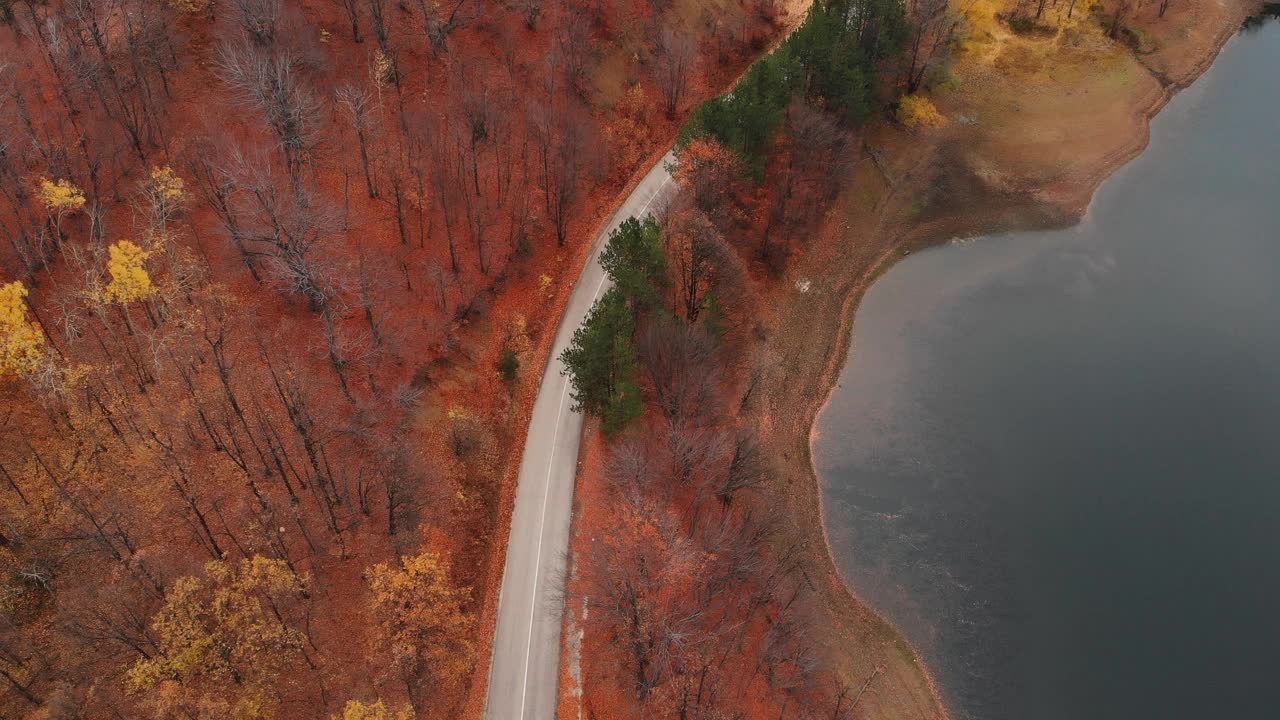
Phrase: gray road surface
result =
(525, 669)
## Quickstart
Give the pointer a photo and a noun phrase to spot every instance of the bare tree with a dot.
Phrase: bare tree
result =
(699, 261)
(680, 361)
(352, 9)
(935, 28)
(371, 285)
(269, 81)
(531, 10)
(543, 120)
(216, 184)
(675, 56)
(259, 19)
(477, 110)
(398, 183)
(573, 157)
(818, 147)
(748, 468)
(121, 83)
(378, 16)
(814, 169)
(442, 17)
(642, 590)
(576, 49)
(340, 349)
(446, 177)
(358, 104)
(288, 226)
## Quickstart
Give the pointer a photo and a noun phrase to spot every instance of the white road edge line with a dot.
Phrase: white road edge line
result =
(546, 491)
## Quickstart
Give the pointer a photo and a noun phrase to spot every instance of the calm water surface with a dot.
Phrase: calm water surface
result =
(1054, 458)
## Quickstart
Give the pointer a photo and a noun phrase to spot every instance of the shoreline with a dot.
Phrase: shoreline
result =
(1052, 206)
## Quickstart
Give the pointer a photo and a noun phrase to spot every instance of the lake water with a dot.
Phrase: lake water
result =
(1053, 459)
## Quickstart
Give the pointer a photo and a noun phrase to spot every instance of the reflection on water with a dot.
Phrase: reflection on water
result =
(1052, 458)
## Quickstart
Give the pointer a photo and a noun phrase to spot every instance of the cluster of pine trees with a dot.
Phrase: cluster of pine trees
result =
(832, 60)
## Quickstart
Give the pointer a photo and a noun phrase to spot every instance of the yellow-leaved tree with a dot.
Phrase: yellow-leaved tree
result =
(21, 340)
(60, 195)
(189, 6)
(226, 639)
(129, 278)
(165, 194)
(420, 621)
(166, 184)
(60, 198)
(916, 111)
(356, 710)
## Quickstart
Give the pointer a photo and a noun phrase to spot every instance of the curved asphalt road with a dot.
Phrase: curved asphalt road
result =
(525, 670)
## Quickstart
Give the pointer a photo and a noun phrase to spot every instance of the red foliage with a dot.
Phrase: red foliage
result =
(367, 223)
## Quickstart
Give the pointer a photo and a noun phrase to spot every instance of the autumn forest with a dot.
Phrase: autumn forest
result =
(277, 285)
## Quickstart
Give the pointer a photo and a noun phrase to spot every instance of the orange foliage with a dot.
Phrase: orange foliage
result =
(629, 133)
(422, 628)
(224, 642)
(681, 620)
(704, 160)
(333, 240)
(713, 175)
